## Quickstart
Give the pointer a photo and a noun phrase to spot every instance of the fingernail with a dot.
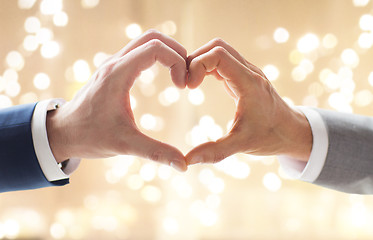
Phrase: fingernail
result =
(195, 160)
(179, 166)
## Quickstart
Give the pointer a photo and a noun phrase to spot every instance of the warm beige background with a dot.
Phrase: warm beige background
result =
(128, 198)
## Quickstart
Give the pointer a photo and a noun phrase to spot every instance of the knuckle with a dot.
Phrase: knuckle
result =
(195, 61)
(236, 127)
(220, 51)
(260, 72)
(260, 82)
(218, 156)
(152, 34)
(267, 85)
(154, 44)
(258, 79)
(155, 155)
(218, 42)
(184, 52)
(105, 71)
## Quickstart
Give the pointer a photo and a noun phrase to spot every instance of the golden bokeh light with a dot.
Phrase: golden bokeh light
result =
(308, 43)
(170, 225)
(89, 3)
(32, 24)
(281, 35)
(100, 58)
(41, 81)
(30, 43)
(147, 76)
(50, 49)
(26, 4)
(350, 57)
(169, 28)
(271, 72)
(12, 89)
(316, 54)
(10, 75)
(366, 40)
(168, 96)
(50, 7)
(5, 101)
(44, 35)
(81, 70)
(15, 60)
(272, 182)
(148, 121)
(360, 3)
(329, 41)
(366, 22)
(196, 96)
(133, 30)
(370, 78)
(60, 19)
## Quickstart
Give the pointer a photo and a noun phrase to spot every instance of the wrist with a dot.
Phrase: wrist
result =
(56, 136)
(299, 137)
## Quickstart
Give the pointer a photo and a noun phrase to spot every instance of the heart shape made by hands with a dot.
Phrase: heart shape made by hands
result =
(103, 104)
(219, 59)
(196, 67)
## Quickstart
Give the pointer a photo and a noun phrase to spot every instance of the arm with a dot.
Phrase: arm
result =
(97, 123)
(19, 165)
(265, 125)
(349, 161)
(51, 169)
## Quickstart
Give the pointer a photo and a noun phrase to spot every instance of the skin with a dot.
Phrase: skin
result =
(263, 124)
(98, 122)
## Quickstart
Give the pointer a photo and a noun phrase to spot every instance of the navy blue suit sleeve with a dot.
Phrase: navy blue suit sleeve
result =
(19, 166)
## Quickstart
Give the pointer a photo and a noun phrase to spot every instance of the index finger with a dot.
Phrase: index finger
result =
(218, 42)
(144, 38)
(145, 56)
(154, 34)
(224, 63)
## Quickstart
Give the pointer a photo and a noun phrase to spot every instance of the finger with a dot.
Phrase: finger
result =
(213, 152)
(255, 69)
(230, 91)
(146, 147)
(215, 74)
(145, 37)
(218, 42)
(154, 34)
(146, 55)
(223, 62)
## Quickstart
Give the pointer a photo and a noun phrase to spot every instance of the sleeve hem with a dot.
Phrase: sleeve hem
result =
(309, 171)
(47, 162)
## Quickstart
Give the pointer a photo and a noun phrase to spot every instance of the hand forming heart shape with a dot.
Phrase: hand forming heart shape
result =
(99, 122)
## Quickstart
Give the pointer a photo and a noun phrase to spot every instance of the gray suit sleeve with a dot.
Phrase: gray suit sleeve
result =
(349, 163)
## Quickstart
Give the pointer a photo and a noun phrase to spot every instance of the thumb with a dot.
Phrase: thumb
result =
(147, 147)
(213, 152)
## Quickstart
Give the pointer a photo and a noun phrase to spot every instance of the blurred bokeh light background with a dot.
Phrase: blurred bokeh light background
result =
(316, 53)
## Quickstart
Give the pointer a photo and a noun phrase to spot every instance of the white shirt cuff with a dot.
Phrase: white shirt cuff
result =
(51, 169)
(309, 171)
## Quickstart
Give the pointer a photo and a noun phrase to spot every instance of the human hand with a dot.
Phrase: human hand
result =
(263, 124)
(99, 122)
